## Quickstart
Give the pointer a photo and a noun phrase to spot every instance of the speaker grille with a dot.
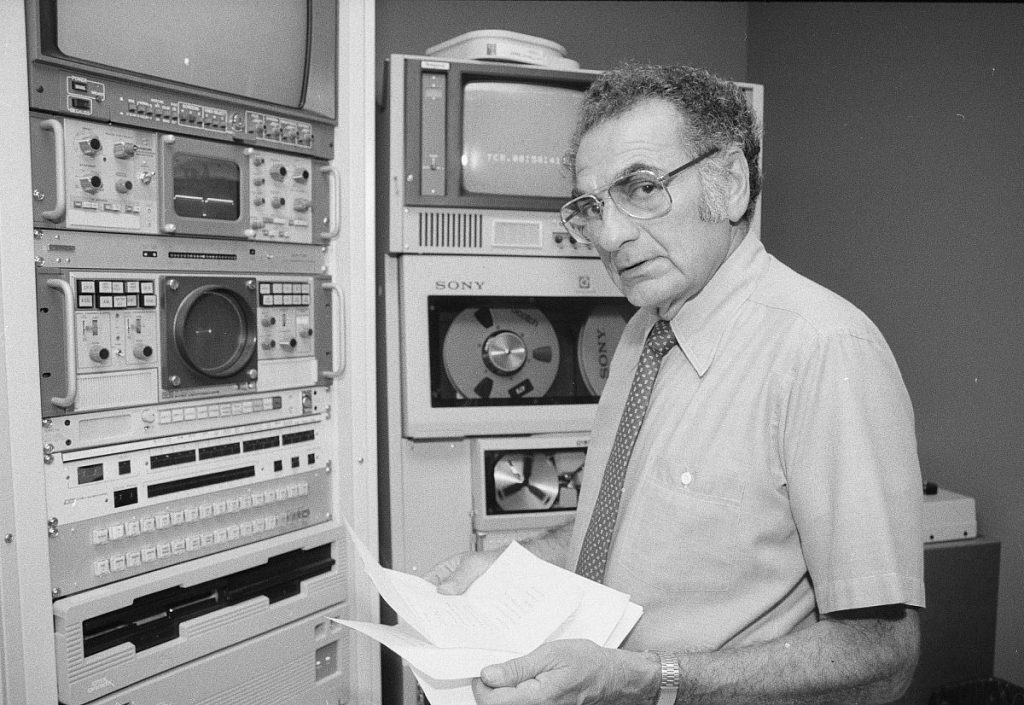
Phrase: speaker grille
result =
(444, 231)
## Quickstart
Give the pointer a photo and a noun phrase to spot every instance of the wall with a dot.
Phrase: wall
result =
(596, 34)
(894, 175)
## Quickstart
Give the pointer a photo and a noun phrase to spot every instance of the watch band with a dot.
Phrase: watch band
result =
(670, 678)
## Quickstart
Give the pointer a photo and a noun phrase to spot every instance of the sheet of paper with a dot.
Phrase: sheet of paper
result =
(460, 691)
(441, 664)
(514, 609)
(445, 692)
(520, 602)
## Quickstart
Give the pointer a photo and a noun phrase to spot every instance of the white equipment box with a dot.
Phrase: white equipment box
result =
(948, 516)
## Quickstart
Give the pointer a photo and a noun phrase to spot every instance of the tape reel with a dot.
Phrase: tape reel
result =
(492, 353)
(526, 481)
(596, 344)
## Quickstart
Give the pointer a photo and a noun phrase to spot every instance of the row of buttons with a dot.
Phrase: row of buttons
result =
(285, 300)
(135, 527)
(188, 544)
(159, 110)
(213, 411)
(116, 302)
(116, 286)
(284, 294)
(108, 207)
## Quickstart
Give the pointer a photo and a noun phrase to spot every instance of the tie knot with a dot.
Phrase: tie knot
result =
(661, 338)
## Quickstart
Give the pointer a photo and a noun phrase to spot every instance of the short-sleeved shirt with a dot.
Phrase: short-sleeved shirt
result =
(775, 477)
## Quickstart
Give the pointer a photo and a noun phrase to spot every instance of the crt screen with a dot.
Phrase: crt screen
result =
(514, 136)
(250, 48)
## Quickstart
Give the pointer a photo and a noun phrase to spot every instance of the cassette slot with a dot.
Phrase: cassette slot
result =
(155, 619)
(299, 663)
(103, 675)
(161, 489)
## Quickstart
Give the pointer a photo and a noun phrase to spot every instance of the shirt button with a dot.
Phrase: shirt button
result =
(686, 478)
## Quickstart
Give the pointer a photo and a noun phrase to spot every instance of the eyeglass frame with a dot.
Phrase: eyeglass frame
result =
(662, 180)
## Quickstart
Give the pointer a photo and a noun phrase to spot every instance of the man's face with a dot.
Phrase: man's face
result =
(664, 262)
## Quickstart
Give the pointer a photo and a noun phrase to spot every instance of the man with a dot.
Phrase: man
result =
(769, 520)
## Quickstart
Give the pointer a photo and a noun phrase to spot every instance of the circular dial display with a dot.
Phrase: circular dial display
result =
(214, 331)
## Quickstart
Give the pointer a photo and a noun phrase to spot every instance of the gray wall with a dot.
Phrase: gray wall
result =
(894, 175)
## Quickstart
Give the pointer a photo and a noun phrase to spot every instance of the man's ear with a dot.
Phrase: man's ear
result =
(737, 184)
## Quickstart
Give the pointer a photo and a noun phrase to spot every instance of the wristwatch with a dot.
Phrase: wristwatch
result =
(670, 677)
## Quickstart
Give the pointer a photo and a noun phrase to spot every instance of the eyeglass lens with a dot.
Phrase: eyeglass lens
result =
(639, 195)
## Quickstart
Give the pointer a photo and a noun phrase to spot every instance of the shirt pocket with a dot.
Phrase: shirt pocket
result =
(681, 535)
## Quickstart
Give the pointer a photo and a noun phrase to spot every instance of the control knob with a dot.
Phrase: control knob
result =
(123, 186)
(142, 351)
(302, 205)
(301, 177)
(278, 172)
(90, 145)
(91, 184)
(98, 353)
(124, 150)
(277, 201)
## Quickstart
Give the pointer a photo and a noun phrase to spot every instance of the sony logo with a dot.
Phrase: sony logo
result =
(458, 285)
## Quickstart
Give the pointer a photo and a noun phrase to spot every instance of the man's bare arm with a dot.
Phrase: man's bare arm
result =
(858, 656)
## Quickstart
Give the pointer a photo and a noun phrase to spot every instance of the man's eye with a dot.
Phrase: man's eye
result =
(639, 188)
(588, 209)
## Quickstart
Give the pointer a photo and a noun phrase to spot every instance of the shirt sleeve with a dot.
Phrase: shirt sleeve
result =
(852, 471)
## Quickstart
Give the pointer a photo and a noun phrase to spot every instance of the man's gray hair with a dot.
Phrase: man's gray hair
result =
(716, 112)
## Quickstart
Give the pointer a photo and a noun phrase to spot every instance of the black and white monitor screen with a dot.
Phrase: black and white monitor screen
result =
(195, 42)
(514, 137)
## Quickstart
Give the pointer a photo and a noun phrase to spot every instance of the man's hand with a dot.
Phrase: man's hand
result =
(455, 575)
(570, 672)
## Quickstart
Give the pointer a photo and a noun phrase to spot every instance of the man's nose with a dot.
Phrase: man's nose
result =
(617, 228)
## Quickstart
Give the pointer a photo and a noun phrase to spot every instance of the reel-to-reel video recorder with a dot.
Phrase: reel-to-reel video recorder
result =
(499, 327)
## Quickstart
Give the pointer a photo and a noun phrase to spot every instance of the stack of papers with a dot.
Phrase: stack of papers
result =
(518, 604)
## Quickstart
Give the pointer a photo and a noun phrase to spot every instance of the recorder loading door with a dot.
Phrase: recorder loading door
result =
(492, 348)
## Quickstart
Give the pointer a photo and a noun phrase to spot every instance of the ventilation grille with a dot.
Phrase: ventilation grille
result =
(451, 231)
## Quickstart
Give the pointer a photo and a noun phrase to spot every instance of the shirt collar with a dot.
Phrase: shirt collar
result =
(703, 320)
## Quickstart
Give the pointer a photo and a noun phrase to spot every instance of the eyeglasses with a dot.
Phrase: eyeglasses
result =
(642, 195)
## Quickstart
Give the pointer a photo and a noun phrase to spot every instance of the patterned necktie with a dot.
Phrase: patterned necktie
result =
(598, 539)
